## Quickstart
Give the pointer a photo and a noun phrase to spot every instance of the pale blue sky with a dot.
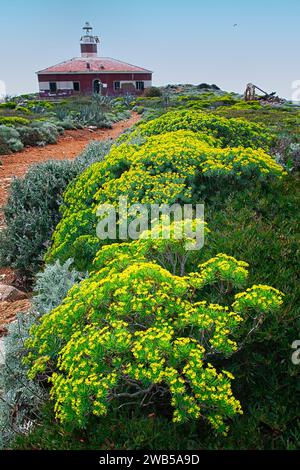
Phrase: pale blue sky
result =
(190, 41)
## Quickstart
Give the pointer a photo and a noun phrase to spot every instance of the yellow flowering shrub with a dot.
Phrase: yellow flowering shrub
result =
(232, 132)
(179, 166)
(136, 332)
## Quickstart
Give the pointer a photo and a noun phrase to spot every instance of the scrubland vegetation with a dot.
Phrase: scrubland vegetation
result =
(143, 344)
(26, 121)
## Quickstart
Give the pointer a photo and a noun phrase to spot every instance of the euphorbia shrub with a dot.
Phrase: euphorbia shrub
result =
(135, 332)
(181, 166)
(232, 132)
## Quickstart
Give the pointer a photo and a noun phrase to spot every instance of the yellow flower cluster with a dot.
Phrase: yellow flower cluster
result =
(260, 298)
(221, 268)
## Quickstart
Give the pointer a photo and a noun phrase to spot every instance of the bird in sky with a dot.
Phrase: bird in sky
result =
(235, 24)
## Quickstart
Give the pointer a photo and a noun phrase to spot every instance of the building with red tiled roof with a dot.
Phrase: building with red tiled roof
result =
(90, 74)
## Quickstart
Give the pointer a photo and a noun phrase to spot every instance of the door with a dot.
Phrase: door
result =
(97, 87)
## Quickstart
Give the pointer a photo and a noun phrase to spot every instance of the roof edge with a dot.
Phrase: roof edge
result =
(96, 72)
(87, 59)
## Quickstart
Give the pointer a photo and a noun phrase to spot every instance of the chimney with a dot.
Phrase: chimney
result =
(88, 42)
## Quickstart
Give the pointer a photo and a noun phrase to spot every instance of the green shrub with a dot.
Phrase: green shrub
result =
(205, 86)
(138, 109)
(133, 329)
(8, 105)
(30, 136)
(40, 133)
(9, 140)
(152, 92)
(69, 124)
(231, 132)
(4, 147)
(259, 225)
(92, 116)
(31, 214)
(176, 167)
(48, 131)
(21, 398)
(126, 429)
(98, 111)
(14, 121)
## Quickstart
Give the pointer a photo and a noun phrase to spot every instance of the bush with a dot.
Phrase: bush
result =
(94, 152)
(31, 213)
(4, 147)
(100, 111)
(230, 132)
(21, 398)
(138, 109)
(134, 331)
(174, 167)
(49, 132)
(8, 105)
(40, 133)
(152, 92)
(92, 115)
(37, 133)
(30, 136)
(259, 225)
(9, 140)
(205, 86)
(14, 121)
(52, 285)
(69, 124)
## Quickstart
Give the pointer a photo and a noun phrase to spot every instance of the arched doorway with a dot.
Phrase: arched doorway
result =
(97, 87)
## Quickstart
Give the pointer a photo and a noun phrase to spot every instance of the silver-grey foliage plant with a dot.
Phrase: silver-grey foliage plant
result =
(21, 399)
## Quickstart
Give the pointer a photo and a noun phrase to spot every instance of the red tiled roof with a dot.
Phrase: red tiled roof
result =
(96, 64)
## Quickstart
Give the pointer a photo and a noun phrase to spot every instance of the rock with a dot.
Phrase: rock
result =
(3, 331)
(11, 294)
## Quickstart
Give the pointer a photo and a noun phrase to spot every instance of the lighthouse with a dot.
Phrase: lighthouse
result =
(89, 42)
(90, 74)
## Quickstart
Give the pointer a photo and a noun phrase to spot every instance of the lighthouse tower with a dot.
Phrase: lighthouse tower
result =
(88, 42)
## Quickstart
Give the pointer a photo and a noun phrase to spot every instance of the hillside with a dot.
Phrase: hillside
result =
(152, 342)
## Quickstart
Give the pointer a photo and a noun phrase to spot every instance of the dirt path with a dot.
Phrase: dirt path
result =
(68, 147)
(17, 164)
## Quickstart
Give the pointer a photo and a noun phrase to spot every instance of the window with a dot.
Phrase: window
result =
(117, 86)
(76, 86)
(140, 86)
(53, 87)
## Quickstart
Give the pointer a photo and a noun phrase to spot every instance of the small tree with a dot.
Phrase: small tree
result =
(152, 92)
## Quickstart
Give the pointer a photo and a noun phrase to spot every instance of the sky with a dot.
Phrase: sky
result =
(186, 41)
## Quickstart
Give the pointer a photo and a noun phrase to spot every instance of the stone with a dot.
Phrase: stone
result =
(11, 294)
